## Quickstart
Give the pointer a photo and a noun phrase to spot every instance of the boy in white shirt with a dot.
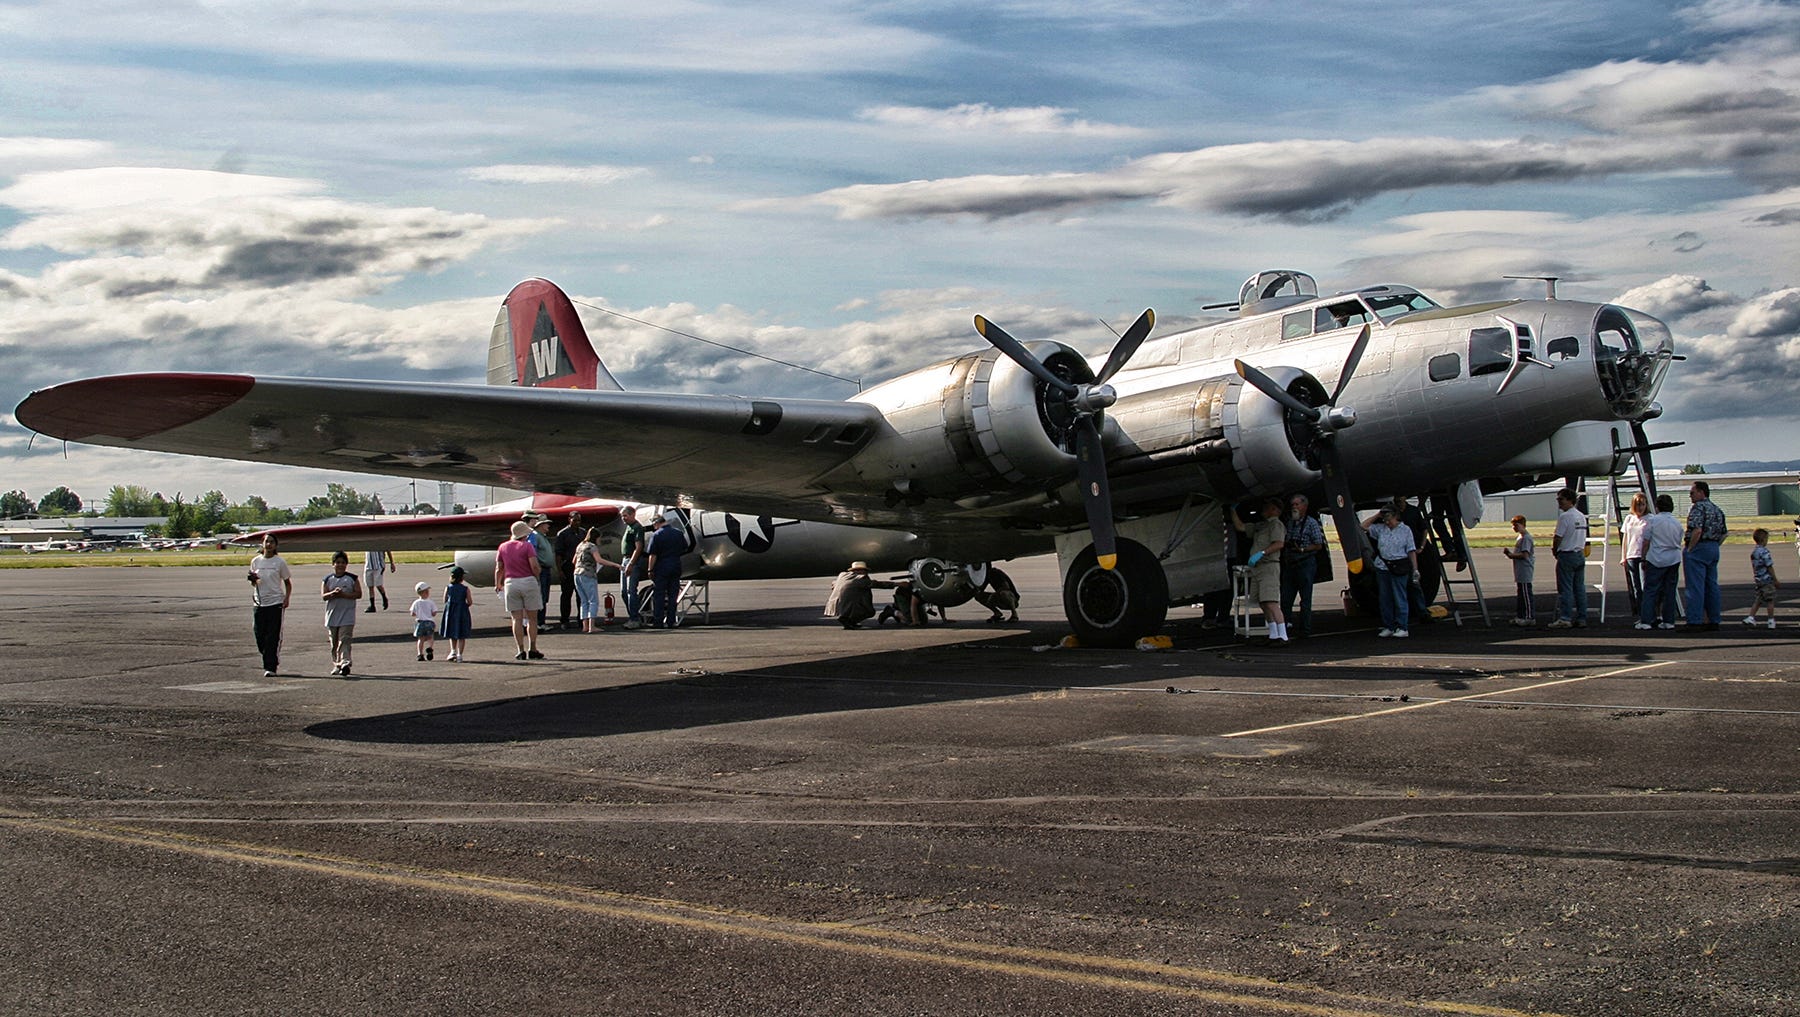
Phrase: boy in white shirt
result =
(424, 612)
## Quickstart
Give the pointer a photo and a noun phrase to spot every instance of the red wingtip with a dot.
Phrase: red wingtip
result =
(129, 406)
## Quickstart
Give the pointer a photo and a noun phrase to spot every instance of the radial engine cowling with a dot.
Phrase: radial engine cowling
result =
(1273, 449)
(975, 425)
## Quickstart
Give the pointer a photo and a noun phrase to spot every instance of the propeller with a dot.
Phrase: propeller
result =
(1088, 400)
(1327, 419)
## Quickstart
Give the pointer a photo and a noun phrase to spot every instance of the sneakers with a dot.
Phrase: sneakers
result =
(1401, 633)
(1750, 620)
(1771, 623)
(268, 674)
(1561, 623)
(1666, 626)
(1384, 633)
(421, 656)
(1641, 626)
(533, 655)
(634, 624)
(428, 650)
(370, 609)
(1523, 623)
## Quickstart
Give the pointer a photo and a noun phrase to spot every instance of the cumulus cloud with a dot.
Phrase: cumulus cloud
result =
(981, 118)
(551, 174)
(1772, 315)
(22, 151)
(1674, 296)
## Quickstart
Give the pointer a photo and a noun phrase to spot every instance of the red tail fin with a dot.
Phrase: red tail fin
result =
(538, 342)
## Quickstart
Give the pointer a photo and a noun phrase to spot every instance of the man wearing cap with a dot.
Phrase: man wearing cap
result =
(545, 549)
(665, 548)
(852, 601)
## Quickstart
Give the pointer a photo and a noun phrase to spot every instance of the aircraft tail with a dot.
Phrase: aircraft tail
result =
(538, 342)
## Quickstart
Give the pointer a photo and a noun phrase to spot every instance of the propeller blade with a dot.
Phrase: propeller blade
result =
(1266, 385)
(1096, 496)
(1128, 344)
(1016, 352)
(1350, 362)
(1343, 510)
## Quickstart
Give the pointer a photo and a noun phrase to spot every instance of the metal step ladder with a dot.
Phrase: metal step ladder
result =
(1446, 534)
(695, 595)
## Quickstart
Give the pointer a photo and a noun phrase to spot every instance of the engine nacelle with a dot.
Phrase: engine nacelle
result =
(975, 425)
(1272, 448)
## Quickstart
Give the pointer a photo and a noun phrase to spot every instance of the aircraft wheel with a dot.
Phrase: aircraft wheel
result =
(1114, 608)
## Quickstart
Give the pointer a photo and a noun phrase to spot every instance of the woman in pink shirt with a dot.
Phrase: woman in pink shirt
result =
(515, 576)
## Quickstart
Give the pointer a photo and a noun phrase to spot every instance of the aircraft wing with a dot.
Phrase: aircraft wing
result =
(424, 533)
(761, 454)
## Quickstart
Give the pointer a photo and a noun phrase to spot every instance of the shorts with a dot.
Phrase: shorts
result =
(424, 629)
(1265, 584)
(371, 578)
(524, 594)
(1765, 594)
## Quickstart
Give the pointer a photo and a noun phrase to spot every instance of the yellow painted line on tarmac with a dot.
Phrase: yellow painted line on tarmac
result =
(1254, 995)
(1441, 702)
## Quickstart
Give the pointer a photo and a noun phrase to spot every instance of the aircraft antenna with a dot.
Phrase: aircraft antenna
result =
(724, 346)
(1549, 282)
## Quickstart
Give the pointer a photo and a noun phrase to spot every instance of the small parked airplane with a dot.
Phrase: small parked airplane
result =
(1124, 465)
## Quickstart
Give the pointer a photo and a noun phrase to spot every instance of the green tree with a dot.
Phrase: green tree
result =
(159, 506)
(209, 511)
(15, 503)
(316, 507)
(348, 501)
(127, 500)
(422, 509)
(182, 519)
(458, 509)
(60, 502)
(1693, 468)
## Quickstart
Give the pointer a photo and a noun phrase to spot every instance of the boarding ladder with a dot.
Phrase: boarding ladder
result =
(695, 595)
(1445, 532)
(1605, 521)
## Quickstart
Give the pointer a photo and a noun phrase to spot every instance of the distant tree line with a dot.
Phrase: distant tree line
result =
(211, 513)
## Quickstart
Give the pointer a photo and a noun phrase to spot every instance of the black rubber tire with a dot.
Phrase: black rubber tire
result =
(1116, 608)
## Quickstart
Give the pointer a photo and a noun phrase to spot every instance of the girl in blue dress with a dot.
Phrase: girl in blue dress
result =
(456, 614)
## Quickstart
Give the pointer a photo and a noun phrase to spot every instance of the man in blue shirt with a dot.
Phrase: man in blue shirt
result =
(665, 548)
(1700, 559)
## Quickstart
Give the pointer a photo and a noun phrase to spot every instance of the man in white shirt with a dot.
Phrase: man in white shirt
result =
(1571, 563)
(271, 587)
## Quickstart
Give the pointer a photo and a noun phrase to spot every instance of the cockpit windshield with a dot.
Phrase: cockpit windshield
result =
(1388, 306)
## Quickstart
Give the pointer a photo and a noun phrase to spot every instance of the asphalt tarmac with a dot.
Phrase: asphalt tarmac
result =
(768, 814)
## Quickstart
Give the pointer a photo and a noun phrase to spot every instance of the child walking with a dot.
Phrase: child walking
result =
(1524, 558)
(424, 612)
(341, 592)
(456, 613)
(1762, 569)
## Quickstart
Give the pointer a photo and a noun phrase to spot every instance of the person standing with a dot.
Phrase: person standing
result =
(1762, 570)
(1396, 559)
(567, 540)
(545, 548)
(1571, 563)
(1524, 560)
(1300, 561)
(457, 620)
(665, 548)
(1631, 547)
(1662, 566)
(1700, 559)
(631, 564)
(341, 592)
(586, 563)
(271, 588)
(516, 580)
(1267, 538)
(376, 564)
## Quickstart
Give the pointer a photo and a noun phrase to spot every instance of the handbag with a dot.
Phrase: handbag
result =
(1399, 566)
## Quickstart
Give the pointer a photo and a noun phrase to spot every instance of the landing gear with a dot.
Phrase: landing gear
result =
(1114, 607)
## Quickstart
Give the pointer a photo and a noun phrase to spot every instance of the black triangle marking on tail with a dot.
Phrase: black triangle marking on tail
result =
(548, 359)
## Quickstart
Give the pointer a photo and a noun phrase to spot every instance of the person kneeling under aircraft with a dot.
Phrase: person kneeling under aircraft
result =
(852, 599)
(1000, 596)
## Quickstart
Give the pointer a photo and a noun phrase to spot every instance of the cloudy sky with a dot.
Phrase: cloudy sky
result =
(347, 190)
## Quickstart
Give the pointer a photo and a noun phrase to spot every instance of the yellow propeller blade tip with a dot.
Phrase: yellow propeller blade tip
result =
(1107, 561)
(1355, 565)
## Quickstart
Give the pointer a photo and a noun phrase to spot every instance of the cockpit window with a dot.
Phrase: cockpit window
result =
(1297, 325)
(1342, 314)
(1389, 306)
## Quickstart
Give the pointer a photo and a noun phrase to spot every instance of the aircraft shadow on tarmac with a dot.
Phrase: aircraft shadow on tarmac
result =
(1344, 650)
